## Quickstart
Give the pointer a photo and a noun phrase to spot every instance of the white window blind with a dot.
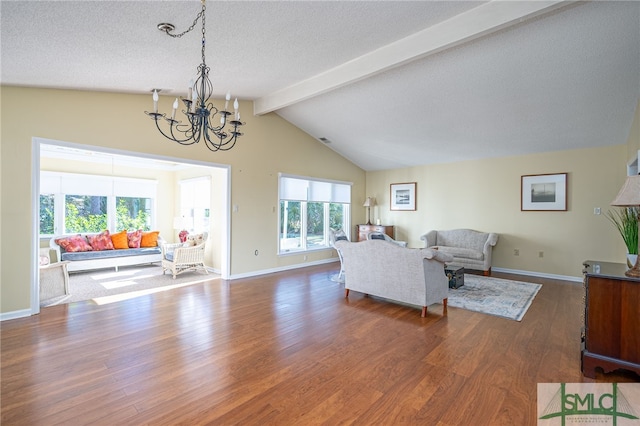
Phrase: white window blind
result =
(294, 188)
(79, 184)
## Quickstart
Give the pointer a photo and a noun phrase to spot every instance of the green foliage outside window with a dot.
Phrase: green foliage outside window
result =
(47, 214)
(77, 220)
(131, 214)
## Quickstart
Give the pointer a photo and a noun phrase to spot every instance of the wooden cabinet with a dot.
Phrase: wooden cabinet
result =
(611, 338)
(363, 230)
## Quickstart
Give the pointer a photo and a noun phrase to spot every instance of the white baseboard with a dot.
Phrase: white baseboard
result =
(539, 274)
(284, 268)
(22, 313)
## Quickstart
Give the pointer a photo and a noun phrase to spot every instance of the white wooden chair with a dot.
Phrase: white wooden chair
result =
(180, 257)
(54, 277)
(333, 237)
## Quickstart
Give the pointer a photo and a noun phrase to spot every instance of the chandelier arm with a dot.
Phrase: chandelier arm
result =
(222, 145)
(188, 138)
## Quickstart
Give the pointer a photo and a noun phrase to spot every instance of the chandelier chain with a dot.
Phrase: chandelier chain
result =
(195, 21)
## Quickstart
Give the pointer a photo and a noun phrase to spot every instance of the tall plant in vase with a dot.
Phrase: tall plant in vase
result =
(626, 221)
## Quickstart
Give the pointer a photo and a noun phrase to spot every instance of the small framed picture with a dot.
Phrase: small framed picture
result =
(403, 196)
(544, 192)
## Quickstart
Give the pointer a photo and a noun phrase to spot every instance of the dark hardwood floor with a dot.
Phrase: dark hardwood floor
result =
(286, 348)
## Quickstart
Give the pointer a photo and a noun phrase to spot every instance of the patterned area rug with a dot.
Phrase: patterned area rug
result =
(494, 296)
(108, 286)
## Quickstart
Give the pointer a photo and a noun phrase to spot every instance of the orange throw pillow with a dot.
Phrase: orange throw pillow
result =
(149, 239)
(119, 240)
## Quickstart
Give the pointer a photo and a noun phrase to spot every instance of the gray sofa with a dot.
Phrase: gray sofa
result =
(470, 249)
(384, 269)
(88, 260)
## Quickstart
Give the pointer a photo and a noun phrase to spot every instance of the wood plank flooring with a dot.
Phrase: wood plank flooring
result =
(284, 349)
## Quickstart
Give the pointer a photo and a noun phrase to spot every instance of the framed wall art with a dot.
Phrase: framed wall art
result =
(544, 192)
(403, 196)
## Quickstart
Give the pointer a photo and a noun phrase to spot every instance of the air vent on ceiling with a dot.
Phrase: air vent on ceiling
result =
(324, 140)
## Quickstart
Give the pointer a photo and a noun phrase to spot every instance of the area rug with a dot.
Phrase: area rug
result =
(494, 296)
(107, 286)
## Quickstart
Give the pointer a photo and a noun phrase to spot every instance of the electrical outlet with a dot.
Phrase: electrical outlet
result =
(540, 254)
(305, 258)
(516, 252)
(596, 210)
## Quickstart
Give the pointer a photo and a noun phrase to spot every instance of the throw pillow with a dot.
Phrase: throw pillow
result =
(195, 239)
(134, 238)
(149, 239)
(101, 241)
(120, 240)
(74, 244)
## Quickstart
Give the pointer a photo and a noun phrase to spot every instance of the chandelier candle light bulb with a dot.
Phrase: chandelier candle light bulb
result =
(155, 101)
(175, 108)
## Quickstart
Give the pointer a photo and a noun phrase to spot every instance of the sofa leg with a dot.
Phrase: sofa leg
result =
(424, 312)
(444, 306)
(346, 293)
(486, 273)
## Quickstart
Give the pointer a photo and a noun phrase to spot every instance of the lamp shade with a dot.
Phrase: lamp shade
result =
(369, 202)
(179, 222)
(629, 194)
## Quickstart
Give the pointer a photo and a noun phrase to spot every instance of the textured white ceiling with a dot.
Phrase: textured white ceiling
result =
(567, 79)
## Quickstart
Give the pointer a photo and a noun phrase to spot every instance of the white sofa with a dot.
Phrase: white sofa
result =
(470, 249)
(384, 269)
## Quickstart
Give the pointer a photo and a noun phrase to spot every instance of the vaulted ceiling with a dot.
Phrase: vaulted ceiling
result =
(389, 84)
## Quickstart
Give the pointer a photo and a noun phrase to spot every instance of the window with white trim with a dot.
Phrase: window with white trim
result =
(309, 208)
(195, 203)
(76, 203)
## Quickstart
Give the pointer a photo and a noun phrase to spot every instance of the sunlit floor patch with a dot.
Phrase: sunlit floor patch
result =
(133, 294)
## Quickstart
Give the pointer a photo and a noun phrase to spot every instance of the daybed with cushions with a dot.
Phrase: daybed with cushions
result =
(384, 269)
(470, 249)
(105, 250)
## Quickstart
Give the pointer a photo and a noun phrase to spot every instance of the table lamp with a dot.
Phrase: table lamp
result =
(629, 196)
(180, 223)
(368, 203)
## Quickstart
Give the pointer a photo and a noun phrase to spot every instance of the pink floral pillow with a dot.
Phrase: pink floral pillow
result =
(134, 238)
(74, 244)
(101, 241)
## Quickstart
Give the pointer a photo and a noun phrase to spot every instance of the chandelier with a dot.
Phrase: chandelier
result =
(199, 112)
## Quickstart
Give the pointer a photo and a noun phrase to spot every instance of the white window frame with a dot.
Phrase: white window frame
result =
(61, 184)
(189, 203)
(305, 189)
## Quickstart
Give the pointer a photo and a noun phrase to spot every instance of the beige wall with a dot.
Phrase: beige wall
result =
(633, 142)
(270, 145)
(485, 195)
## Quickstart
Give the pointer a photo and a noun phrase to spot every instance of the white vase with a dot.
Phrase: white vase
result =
(631, 260)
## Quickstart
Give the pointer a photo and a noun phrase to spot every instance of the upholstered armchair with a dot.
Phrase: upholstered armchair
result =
(187, 256)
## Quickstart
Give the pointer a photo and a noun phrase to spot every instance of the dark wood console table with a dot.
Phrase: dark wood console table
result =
(611, 338)
(363, 230)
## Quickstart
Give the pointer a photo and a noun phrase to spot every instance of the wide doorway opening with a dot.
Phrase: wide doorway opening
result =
(81, 189)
